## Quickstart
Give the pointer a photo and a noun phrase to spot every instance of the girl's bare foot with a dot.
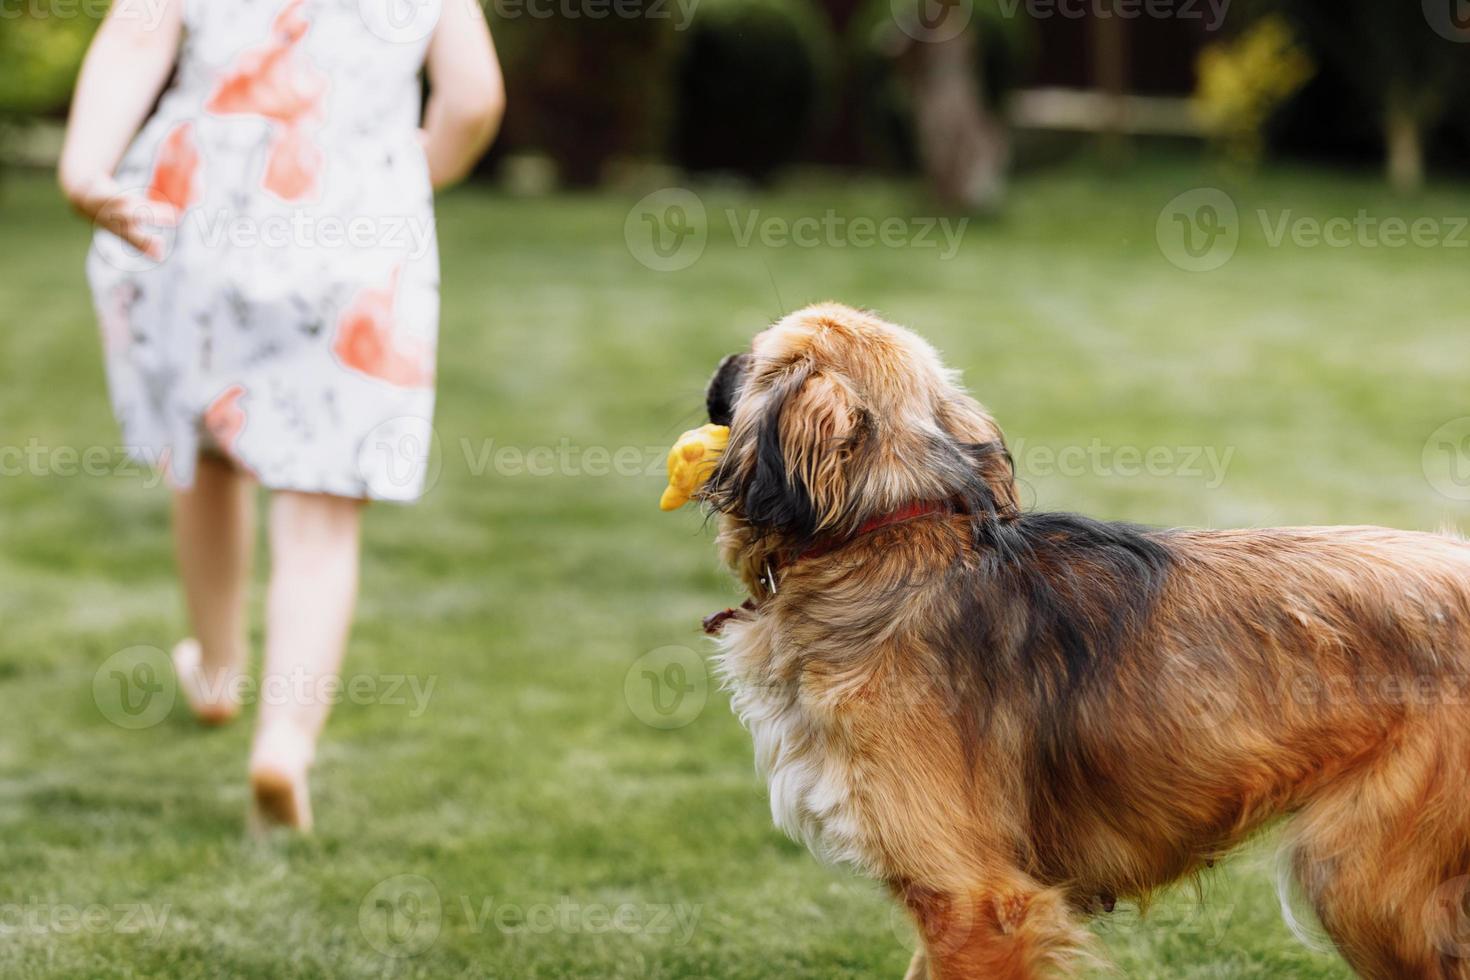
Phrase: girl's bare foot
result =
(212, 698)
(279, 768)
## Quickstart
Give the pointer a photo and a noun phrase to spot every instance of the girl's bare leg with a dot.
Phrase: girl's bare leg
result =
(315, 542)
(214, 538)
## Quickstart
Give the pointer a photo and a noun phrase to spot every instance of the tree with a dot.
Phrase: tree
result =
(963, 143)
(1408, 60)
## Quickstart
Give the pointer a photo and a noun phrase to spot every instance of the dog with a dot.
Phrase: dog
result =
(1013, 719)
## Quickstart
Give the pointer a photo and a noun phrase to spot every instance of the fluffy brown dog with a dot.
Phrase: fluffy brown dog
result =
(1013, 718)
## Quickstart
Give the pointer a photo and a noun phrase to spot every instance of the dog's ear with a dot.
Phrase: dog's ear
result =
(799, 483)
(984, 446)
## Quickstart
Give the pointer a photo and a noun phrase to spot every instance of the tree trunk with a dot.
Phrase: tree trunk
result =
(1110, 76)
(964, 146)
(1403, 137)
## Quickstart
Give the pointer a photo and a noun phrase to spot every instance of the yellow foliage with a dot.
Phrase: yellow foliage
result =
(39, 59)
(1241, 83)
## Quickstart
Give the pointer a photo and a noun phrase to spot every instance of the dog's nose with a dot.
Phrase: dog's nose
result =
(724, 387)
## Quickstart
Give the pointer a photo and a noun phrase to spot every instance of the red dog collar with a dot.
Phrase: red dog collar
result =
(908, 512)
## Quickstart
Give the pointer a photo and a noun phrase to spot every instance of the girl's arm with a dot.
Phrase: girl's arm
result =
(126, 66)
(466, 92)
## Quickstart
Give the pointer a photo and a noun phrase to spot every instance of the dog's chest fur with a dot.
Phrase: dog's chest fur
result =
(813, 774)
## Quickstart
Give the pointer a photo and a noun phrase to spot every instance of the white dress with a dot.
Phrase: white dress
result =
(292, 325)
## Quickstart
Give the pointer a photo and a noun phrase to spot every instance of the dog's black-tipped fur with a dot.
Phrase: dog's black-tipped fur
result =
(773, 500)
(719, 397)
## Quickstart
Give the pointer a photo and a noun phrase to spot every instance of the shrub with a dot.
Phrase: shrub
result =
(582, 89)
(41, 56)
(1243, 82)
(752, 80)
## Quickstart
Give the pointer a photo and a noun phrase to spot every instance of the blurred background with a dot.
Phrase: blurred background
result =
(751, 89)
(1205, 260)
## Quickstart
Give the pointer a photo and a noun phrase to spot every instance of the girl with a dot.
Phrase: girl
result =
(266, 277)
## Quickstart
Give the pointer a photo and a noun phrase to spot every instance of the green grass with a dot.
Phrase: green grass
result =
(528, 782)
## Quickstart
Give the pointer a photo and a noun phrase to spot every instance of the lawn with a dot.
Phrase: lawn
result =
(505, 795)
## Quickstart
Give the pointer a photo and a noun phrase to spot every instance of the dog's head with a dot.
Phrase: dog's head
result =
(838, 417)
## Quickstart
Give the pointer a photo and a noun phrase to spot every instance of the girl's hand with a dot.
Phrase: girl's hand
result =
(127, 214)
(132, 217)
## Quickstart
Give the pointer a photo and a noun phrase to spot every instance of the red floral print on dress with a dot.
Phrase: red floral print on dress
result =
(276, 81)
(367, 342)
(176, 169)
(225, 419)
(294, 163)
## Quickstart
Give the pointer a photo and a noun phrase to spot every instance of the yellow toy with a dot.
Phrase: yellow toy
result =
(691, 463)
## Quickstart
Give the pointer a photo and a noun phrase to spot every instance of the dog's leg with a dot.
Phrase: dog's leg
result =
(1376, 923)
(1385, 862)
(1005, 930)
(919, 967)
(1389, 929)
